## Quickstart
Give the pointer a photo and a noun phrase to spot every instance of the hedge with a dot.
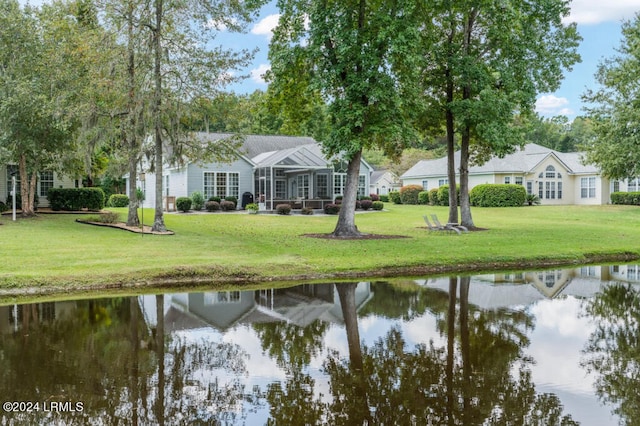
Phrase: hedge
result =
(74, 199)
(498, 195)
(394, 197)
(443, 195)
(409, 194)
(118, 200)
(627, 198)
(183, 204)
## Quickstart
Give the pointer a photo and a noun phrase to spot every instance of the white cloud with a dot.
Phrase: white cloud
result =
(551, 104)
(597, 11)
(266, 25)
(257, 74)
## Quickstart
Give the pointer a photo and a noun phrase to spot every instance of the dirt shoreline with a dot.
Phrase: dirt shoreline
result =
(186, 279)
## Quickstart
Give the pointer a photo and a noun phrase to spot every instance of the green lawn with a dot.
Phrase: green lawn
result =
(54, 250)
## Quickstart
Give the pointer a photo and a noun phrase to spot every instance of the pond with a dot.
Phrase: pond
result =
(537, 348)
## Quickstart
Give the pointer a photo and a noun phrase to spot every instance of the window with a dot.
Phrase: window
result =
(340, 181)
(529, 187)
(588, 187)
(281, 189)
(12, 169)
(46, 183)
(518, 180)
(166, 185)
(322, 186)
(633, 185)
(220, 297)
(301, 183)
(425, 184)
(362, 180)
(551, 181)
(443, 182)
(221, 184)
(507, 180)
(616, 186)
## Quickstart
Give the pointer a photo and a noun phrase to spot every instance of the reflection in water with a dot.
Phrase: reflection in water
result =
(465, 351)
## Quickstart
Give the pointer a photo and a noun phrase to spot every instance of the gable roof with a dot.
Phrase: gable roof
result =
(523, 160)
(254, 145)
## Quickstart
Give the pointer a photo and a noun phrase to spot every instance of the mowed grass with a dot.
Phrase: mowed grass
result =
(55, 250)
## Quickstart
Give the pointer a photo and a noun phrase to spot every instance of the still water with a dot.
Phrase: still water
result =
(536, 348)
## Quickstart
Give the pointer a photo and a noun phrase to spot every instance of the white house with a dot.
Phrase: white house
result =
(555, 177)
(269, 169)
(383, 182)
(46, 180)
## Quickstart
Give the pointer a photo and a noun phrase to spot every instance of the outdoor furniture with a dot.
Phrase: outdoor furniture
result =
(439, 227)
(449, 225)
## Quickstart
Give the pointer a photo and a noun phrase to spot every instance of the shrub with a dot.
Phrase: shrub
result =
(109, 217)
(366, 204)
(338, 200)
(433, 196)
(118, 200)
(357, 204)
(183, 204)
(231, 198)
(374, 197)
(332, 208)
(532, 199)
(409, 194)
(497, 195)
(306, 211)
(377, 205)
(252, 207)
(197, 200)
(227, 206)
(423, 197)
(365, 198)
(627, 198)
(3, 207)
(443, 195)
(74, 199)
(384, 198)
(212, 206)
(214, 198)
(394, 197)
(283, 209)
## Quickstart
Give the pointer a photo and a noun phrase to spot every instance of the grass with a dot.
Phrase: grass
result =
(54, 251)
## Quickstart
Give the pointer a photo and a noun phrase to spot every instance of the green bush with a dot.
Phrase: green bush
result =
(252, 207)
(227, 206)
(366, 204)
(332, 208)
(497, 195)
(3, 207)
(232, 199)
(74, 199)
(183, 204)
(283, 209)
(109, 217)
(443, 195)
(118, 200)
(384, 198)
(214, 198)
(433, 196)
(394, 197)
(409, 194)
(212, 206)
(626, 198)
(377, 205)
(423, 197)
(197, 200)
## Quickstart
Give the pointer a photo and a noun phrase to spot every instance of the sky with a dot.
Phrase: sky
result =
(599, 23)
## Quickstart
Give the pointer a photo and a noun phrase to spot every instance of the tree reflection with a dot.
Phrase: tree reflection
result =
(467, 382)
(613, 350)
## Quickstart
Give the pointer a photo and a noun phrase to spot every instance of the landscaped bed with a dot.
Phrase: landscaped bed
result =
(54, 252)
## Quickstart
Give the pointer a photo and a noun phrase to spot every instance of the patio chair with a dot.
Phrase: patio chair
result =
(439, 227)
(449, 225)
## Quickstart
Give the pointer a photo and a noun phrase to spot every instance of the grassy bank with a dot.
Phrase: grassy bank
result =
(55, 250)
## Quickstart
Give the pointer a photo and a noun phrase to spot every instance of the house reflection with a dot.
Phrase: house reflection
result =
(300, 305)
(494, 291)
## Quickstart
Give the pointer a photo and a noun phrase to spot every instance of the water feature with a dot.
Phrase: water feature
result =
(535, 347)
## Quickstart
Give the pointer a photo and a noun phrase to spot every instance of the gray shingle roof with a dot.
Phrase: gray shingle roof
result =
(257, 144)
(521, 161)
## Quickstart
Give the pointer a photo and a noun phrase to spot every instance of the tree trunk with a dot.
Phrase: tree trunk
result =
(346, 226)
(451, 336)
(158, 220)
(159, 407)
(465, 205)
(26, 184)
(131, 134)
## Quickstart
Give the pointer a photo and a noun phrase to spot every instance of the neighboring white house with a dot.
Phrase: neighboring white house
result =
(555, 177)
(383, 182)
(269, 169)
(46, 181)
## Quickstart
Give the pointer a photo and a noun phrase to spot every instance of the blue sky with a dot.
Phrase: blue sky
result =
(599, 23)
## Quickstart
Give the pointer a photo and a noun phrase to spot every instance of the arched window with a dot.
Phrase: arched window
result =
(550, 184)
